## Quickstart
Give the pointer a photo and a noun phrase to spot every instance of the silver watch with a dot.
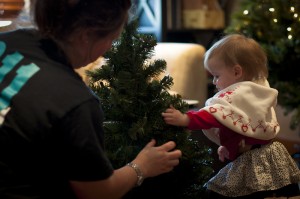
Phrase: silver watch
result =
(139, 173)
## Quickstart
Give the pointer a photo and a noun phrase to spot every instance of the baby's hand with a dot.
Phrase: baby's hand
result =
(175, 117)
(223, 153)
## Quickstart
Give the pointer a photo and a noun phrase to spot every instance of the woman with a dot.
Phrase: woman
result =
(51, 135)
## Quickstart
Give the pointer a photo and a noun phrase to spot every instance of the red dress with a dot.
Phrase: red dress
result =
(203, 120)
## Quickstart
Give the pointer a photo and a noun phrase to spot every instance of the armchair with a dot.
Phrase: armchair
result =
(185, 66)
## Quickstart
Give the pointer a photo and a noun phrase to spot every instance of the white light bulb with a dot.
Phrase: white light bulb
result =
(292, 9)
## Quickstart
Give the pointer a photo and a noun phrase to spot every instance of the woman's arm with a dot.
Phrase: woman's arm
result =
(152, 161)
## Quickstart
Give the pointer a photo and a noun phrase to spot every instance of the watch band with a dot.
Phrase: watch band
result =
(139, 173)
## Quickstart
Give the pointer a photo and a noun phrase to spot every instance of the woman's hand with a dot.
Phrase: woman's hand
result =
(155, 160)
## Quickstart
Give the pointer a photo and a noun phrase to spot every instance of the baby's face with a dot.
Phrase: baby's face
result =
(223, 76)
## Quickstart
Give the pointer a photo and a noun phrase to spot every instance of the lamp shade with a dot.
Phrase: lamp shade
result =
(10, 9)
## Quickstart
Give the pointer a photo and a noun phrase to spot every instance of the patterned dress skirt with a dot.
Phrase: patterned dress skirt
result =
(269, 167)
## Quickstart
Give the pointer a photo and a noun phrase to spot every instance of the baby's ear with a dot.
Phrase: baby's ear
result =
(238, 71)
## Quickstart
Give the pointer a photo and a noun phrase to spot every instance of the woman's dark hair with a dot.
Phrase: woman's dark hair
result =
(59, 18)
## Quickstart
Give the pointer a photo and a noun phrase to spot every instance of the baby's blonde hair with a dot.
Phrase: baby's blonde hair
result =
(236, 49)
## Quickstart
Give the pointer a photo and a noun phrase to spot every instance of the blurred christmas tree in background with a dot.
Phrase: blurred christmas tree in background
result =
(133, 99)
(275, 24)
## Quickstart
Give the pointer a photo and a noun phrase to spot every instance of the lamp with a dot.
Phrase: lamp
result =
(9, 9)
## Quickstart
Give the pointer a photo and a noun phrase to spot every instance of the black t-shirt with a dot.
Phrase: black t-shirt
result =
(50, 122)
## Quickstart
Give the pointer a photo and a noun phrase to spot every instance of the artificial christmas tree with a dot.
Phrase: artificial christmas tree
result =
(275, 24)
(133, 99)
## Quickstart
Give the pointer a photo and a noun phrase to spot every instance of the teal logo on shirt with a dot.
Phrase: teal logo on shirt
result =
(23, 74)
